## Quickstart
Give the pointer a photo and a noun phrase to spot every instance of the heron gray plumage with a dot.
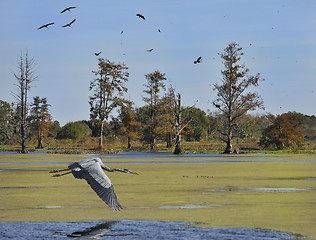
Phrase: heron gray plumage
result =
(91, 170)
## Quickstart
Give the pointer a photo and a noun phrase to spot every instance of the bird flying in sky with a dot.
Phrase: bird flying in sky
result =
(45, 25)
(69, 24)
(97, 54)
(92, 171)
(150, 50)
(198, 60)
(140, 16)
(67, 9)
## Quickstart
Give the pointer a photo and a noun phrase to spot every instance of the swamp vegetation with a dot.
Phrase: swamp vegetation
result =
(275, 191)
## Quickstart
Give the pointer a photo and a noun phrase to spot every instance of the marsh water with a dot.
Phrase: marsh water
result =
(245, 196)
(128, 229)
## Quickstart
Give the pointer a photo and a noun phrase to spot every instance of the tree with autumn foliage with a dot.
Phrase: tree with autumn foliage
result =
(129, 126)
(41, 120)
(233, 96)
(285, 132)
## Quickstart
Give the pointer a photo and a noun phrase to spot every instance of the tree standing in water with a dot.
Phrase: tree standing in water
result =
(40, 119)
(233, 100)
(24, 76)
(155, 85)
(108, 89)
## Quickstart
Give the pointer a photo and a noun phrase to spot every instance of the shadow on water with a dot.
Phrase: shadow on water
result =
(98, 231)
(128, 229)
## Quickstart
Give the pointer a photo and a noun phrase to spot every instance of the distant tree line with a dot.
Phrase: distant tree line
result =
(162, 118)
(286, 131)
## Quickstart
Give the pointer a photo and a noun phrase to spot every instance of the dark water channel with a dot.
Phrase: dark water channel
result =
(128, 229)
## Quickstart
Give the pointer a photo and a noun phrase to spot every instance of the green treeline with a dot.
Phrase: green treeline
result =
(287, 131)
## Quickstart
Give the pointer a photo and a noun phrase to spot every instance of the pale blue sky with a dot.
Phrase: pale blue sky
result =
(278, 38)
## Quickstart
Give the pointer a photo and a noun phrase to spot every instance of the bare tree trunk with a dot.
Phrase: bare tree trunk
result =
(178, 125)
(169, 140)
(101, 135)
(229, 146)
(24, 78)
(23, 116)
(39, 138)
(129, 143)
(153, 145)
(39, 143)
(177, 149)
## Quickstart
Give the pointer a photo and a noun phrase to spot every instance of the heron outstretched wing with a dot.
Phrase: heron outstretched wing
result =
(92, 172)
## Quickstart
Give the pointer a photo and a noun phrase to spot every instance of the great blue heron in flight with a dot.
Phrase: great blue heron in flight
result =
(69, 24)
(67, 9)
(45, 25)
(140, 16)
(91, 170)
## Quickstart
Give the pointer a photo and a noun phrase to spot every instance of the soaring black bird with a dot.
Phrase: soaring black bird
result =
(97, 54)
(91, 170)
(69, 24)
(217, 105)
(150, 50)
(198, 60)
(45, 25)
(140, 16)
(67, 9)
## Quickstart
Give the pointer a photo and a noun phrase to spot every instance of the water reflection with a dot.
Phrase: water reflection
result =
(130, 229)
(98, 231)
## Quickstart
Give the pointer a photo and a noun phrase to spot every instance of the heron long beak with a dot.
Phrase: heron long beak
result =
(131, 172)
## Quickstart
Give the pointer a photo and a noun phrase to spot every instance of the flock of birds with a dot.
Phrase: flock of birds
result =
(68, 9)
(198, 60)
